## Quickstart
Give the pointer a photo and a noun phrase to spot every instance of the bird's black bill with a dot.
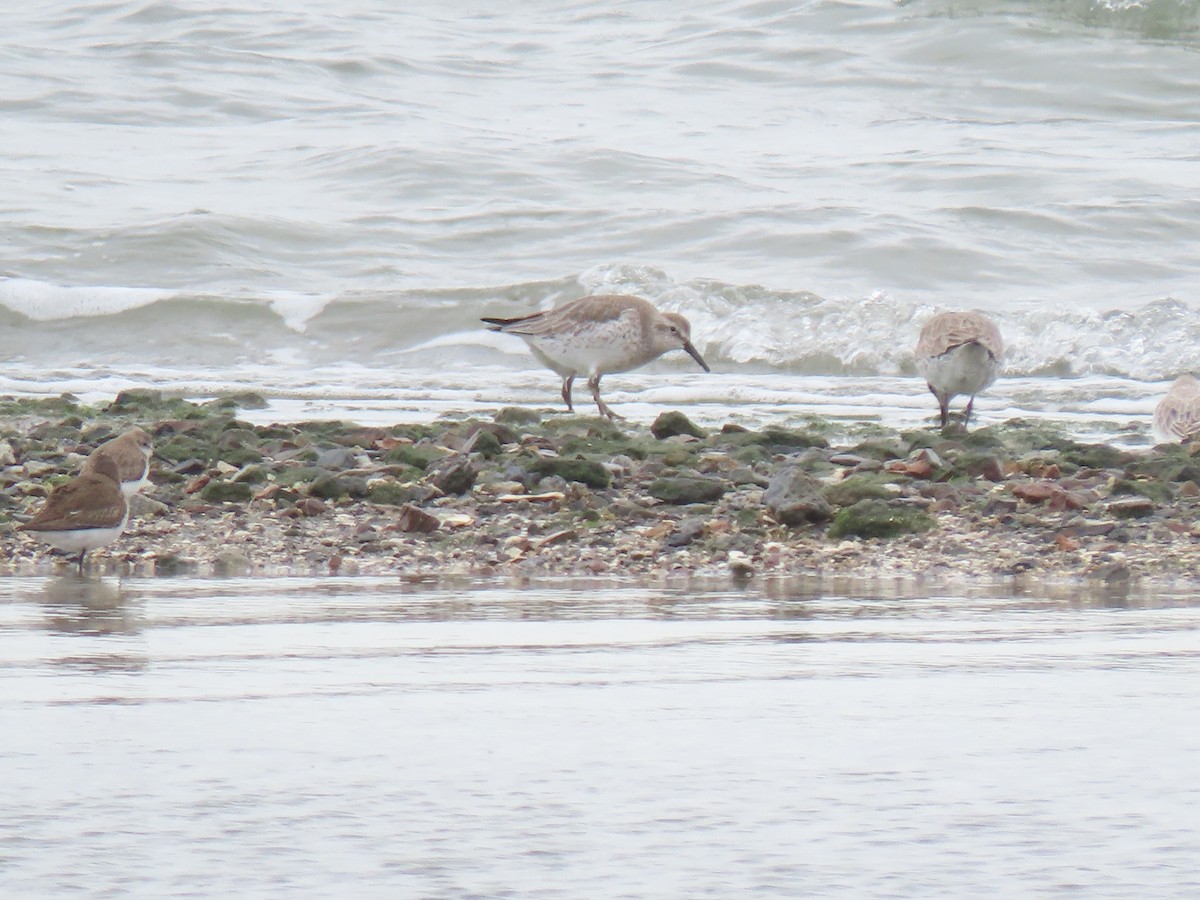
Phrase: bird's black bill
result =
(695, 354)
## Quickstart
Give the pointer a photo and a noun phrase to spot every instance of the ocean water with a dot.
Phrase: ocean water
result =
(795, 737)
(321, 203)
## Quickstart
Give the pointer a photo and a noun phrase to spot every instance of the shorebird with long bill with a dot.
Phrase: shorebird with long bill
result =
(595, 336)
(1177, 415)
(959, 353)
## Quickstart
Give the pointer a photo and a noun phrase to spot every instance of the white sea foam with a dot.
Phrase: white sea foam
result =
(45, 302)
(297, 310)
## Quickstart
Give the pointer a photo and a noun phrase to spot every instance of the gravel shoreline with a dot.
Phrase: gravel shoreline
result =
(534, 492)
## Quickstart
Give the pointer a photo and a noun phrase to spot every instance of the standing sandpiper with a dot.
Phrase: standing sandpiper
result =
(131, 452)
(596, 335)
(1177, 416)
(959, 353)
(86, 512)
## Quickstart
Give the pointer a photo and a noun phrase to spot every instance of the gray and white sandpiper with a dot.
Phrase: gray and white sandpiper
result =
(594, 336)
(959, 353)
(87, 512)
(131, 452)
(1177, 415)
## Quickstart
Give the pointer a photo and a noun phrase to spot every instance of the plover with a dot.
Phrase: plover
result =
(84, 513)
(1177, 415)
(131, 452)
(594, 336)
(959, 353)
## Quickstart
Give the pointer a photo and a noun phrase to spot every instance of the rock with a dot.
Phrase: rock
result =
(849, 460)
(327, 487)
(546, 497)
(517, 415)
(557, 537)
(418, 457)
(485, 443)
(337, 459)
(743, 475)
(1131, 508)
(393, 493)
(585, 471)
(412, 519)
(197, 484)
(980, 465)
(1000, 506)
(688, 530)
(251, 475)
(1070, 500)
(310, 506)
(502, 433)
(355, 486)
(142, 507)
(740, 567)
(684, 489)
(221, 491)
(245, 400)
(296, 475)
(783, 438)
(457, 476)
(853, 488)
(190, 466)
(793, 497)
(170, 563)
(7, 456)
(232, 562)
(670, 424)
(1115, 572)
(1066, 543)
(1037, 491)
(877, 518)
(135, 399)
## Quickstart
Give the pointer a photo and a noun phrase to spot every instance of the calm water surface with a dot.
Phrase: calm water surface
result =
(325, 736)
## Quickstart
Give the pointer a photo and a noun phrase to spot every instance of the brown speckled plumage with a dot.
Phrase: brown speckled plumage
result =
(1177, 415)
(959, 353)
(594, 336)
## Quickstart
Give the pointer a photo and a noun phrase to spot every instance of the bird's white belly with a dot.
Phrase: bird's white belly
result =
(77, 540)
(129, 488)
(967, 369)
(584, 357)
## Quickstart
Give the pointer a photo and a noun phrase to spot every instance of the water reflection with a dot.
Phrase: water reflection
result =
(87, 605)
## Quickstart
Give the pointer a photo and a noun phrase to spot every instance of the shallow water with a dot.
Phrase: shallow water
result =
(596, 739)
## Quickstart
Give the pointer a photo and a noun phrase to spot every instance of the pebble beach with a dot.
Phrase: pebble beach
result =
(533, 492)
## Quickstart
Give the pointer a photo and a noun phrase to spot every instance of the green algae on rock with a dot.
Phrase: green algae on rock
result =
(878, 519)
(682, 490)
(581, 495)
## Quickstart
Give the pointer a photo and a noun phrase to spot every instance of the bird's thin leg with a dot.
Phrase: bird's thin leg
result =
(82, 554)
(567, 383)
(943, 404)
(967, 415)
(594, 384)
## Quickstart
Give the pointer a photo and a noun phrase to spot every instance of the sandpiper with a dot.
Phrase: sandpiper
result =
(959, 353)
(1177, 416)
(594, 336)
(131, 452)
(86, 512)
